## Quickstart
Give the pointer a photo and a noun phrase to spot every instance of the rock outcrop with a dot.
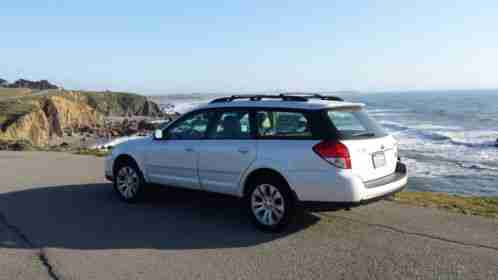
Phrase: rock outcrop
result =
(120, 103)
(49, 118)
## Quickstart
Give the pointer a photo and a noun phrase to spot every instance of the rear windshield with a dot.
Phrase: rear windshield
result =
(354, 123)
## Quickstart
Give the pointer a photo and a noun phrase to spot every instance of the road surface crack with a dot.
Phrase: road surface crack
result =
(40, 254)
(419, 234)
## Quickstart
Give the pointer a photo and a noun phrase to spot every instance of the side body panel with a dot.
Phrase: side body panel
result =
(173, 163)
(222, 163)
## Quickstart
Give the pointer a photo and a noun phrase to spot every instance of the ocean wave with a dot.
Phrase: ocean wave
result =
(388, 111)
(450, 169)
(477, 166)
(436, 136)
(483, 144)
(394, 126)
(379, 113)
(473, 138)
(445, 134)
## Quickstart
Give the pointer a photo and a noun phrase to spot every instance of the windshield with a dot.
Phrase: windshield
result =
(353, 122)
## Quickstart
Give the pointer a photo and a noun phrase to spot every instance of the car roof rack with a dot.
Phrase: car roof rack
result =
(282, 96)
(317, 96)
(259, 97)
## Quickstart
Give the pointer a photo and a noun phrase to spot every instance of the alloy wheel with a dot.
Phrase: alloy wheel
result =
(267, 204)
(127, 182)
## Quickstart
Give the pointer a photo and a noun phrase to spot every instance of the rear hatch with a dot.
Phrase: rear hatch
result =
(372, 151)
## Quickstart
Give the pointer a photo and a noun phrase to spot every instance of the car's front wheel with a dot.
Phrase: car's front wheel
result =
(128, 181)
(271, 204)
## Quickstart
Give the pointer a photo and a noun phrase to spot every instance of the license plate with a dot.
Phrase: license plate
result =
(379, 159)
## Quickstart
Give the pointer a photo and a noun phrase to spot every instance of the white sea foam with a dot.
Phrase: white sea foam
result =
(452, 134)
(184, 107)
(375, 111)
(437, 168)
(473, 138)
(380, 113)
(435, 151)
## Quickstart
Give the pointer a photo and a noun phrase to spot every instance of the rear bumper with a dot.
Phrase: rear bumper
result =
(385, 185)
(329, 205)
(370, 191)
(397, 176)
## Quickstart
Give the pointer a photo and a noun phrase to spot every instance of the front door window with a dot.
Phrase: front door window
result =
(191, 128)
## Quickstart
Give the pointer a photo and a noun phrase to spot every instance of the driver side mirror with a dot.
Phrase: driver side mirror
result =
(158, 134)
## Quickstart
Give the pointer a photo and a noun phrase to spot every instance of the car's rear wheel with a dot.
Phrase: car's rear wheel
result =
(271, 204)
(128, 181)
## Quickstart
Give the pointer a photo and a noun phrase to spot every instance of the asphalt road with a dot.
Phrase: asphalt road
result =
(59, 219)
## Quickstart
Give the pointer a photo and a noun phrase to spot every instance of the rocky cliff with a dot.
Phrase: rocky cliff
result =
(46, 117)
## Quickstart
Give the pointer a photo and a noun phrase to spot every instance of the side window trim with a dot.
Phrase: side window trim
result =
(212, 121)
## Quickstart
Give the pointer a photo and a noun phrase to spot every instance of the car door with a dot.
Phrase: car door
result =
(173, 160)
(227, 152)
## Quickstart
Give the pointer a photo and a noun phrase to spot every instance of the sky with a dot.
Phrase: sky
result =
(163, 47)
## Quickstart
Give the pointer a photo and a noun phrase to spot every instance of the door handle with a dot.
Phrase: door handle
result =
(188, 149)
(243, 150)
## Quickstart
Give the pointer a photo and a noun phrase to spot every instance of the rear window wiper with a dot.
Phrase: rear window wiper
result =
(367, 134)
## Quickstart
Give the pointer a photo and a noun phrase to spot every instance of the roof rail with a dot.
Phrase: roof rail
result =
(317, 96)
(259, 97)
(282, 96)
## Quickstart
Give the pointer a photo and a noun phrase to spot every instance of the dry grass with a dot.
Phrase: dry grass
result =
(91, 152)
(12, 109)
(26, 145)
(480, 206)
(6, 93)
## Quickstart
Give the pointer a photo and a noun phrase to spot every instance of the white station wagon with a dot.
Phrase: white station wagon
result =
(276, 152)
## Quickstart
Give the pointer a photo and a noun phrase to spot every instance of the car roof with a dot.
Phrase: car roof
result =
(311, 104)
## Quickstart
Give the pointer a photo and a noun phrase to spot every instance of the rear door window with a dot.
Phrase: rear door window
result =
(353, 123)
(283, 125)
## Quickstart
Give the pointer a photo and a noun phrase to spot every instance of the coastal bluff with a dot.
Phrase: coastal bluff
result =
(44, 116)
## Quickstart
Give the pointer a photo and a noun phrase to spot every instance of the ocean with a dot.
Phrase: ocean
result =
(447, 138)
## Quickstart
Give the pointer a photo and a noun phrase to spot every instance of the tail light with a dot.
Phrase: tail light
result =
(334, 153)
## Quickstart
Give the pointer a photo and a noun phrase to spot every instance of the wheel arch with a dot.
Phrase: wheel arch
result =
(124, 158)
(265, 171)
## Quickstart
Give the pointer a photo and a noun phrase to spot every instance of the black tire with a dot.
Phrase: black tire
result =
(132, 192)
(289, 204)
